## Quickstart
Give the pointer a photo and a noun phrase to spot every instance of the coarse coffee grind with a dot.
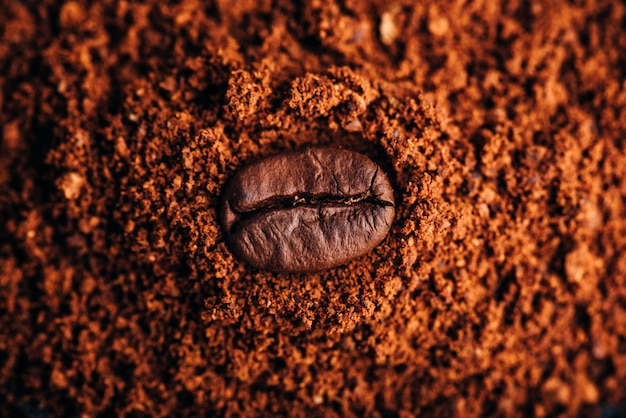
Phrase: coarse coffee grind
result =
(499, 289)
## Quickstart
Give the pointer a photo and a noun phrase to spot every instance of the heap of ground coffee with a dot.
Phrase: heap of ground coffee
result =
(500, 288)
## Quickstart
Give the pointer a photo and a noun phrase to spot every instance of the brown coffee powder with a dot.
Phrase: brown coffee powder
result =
(501, 289)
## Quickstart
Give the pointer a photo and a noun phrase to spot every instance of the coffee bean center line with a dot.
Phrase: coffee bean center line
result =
(310, 200)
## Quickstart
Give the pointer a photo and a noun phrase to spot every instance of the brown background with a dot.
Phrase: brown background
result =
(501, 288)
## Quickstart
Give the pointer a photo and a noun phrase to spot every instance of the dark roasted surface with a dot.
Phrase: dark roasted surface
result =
(307, 210)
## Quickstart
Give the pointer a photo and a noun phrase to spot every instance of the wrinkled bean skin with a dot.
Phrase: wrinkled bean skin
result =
(306, 210)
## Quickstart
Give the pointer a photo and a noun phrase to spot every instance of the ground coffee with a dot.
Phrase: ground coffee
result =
(499, 291)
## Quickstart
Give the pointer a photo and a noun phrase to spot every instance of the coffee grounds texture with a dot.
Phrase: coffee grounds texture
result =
(500, 290)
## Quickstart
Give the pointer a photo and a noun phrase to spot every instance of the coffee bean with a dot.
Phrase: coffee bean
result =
(306, 210)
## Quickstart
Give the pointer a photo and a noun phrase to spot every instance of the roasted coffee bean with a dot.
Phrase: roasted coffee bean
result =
(306, 210)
